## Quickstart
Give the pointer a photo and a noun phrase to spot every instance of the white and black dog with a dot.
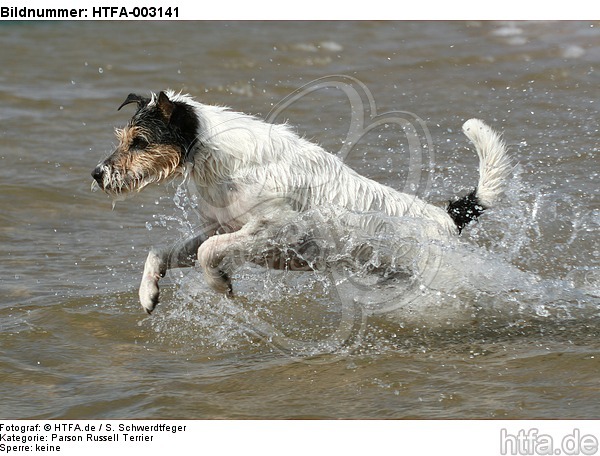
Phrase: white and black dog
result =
(253, 177)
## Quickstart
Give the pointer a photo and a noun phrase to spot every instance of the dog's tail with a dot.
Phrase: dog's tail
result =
(494, 169)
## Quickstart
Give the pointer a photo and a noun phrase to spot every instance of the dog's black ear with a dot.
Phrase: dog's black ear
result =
(165, 106)
(133, 98)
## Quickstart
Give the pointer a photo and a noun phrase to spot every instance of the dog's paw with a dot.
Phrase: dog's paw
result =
(219, 281)
(149, 293)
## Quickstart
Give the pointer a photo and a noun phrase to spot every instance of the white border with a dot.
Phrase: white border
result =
(345, 438)
(333, 10)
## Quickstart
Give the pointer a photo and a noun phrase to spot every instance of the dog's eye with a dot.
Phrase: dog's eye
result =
(139, 143)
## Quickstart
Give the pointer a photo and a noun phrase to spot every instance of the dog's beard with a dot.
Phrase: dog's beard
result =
(120, 186)
(129, 176)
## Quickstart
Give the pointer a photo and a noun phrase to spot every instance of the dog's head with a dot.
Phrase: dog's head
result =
(152, 147)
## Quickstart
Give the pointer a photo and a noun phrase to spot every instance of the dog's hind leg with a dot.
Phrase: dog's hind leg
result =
(159, 261)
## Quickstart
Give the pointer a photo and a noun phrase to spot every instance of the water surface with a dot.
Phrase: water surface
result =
(515, 337)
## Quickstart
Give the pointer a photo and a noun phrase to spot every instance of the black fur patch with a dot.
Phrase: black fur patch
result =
(184, 123)
(464, 210)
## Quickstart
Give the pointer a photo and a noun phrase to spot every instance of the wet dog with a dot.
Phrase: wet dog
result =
(253, 177)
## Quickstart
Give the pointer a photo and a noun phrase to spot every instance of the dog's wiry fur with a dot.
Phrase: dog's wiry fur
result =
(150, 146)
(254, 177)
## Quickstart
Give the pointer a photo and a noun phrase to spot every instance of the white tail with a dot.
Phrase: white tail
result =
(494, 163)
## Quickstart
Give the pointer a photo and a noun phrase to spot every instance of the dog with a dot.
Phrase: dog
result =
(253, 177)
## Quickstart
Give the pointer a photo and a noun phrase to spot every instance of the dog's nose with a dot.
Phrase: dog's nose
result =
(98, 174)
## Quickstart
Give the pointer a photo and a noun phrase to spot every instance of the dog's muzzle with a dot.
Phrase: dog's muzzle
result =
(98, 175)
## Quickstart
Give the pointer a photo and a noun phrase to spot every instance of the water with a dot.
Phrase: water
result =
(507, 327)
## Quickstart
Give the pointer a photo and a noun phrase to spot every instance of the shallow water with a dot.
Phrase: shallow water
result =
(504, 324)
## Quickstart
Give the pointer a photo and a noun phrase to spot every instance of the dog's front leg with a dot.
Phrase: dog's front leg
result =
(159, 261)
(212, 256)
(220, 254)
(277, 244)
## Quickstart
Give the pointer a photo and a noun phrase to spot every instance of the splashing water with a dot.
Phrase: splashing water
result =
(406, 281)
